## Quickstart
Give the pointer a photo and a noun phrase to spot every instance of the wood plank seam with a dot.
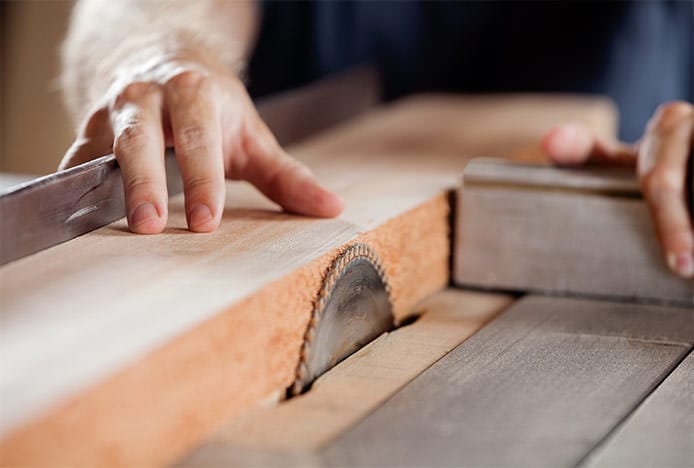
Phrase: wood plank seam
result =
(636, 339)
(660, 432)
(532, 412)
(608, 436)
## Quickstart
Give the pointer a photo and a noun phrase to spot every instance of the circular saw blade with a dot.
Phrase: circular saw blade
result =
(352, 308)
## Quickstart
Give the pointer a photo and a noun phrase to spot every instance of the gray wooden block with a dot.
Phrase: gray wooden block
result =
(539, 386)
(660, 432)
(553, 230)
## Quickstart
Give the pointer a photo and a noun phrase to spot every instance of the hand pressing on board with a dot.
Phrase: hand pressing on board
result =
(208, 118)
(164, 86)
(661, 158)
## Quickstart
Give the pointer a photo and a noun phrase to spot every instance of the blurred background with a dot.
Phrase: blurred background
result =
(35, 129)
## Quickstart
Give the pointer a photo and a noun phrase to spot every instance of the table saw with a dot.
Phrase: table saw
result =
(281, 340)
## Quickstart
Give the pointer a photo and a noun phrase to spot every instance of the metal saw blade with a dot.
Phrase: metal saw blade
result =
(352, 308)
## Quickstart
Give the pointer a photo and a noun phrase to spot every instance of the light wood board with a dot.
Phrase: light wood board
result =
(660, 432)
(123, 349)
(297, 427)
(541, 385)
(585, 232)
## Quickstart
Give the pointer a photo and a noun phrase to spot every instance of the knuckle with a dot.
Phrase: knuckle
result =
(186, 79)
(139, 183)
(131, 138)
(199, 185)
(191, 139)
(297, 168)
(190, 82)
(662, 184)
(135, 91)
(671, 115)
(238, 88)
(287, 169)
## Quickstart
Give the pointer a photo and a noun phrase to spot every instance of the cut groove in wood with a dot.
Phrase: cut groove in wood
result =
(295, 428)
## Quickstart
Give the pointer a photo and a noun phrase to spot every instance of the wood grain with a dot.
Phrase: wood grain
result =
(552, 230)
(351, 390)
(539, 386)
(661, 431)
(123, 349)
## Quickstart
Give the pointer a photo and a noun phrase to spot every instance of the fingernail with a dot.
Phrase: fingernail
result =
(683, 264)
(143, 213)
(200, 215)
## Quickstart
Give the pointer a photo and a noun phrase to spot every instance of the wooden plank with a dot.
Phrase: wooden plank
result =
(527, 390)
(661, 431)
(349, 392)
(122, 349)
(560, 231)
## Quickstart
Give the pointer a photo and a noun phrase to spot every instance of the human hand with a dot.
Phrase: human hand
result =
(206, 115)
(661, 158)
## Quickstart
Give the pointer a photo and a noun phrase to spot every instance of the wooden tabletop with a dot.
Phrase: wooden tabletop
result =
(542, 381)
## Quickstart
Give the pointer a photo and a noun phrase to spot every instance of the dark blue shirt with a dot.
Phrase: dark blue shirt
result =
(639, 53)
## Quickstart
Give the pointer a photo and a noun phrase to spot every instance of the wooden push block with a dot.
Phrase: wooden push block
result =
(552, 230)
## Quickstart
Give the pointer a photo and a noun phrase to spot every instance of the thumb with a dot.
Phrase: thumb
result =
(575, 145)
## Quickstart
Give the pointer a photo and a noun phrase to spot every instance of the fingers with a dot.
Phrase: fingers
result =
(574, 145)
(184, 111)
(662, 164)
(195, 125)
(283, 179)
(139, 149)
(662, 168)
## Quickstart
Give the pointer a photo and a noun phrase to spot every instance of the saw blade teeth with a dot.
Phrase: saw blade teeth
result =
(332, 275)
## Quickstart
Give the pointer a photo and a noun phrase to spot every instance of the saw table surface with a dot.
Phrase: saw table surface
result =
(138, 350)
(546, 381)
